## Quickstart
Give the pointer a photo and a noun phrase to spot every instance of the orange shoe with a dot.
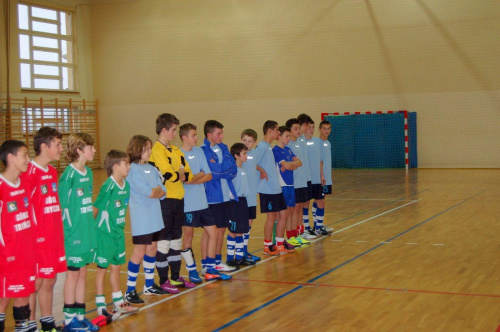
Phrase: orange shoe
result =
(285, 248)
(271, 250)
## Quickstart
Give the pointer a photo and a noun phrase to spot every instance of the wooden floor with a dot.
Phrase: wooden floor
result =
(409, 253)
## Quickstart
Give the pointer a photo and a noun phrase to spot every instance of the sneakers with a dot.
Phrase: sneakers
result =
(180, 282)
(270, 250)
(75, 325)
(308, 234)
(194, 277)
(169, 288)
(133, 298)
(246, 261)
(329, 229)
(125, 308)
(294, 242)
(154, 290)
(321, 231)
(224, 268)
(285, 248)
(250, 256)
(110, 316)
(216, 275)
(100, 321)
(233, 263)
(88, 324)
(302, 240)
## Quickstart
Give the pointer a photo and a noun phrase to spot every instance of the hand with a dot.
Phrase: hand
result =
(263, 175)
(157, 192)
(282, 169)
(323, 181)
(212, 160)
(182, 174)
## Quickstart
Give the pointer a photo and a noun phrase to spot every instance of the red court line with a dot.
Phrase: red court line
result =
(370, 288)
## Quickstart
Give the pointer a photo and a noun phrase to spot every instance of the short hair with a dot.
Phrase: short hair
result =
(283, 129)
(304, 119)
(324, 123)
(76, 142)
(10, 146)
(249, 132)
(44, 135)
(185, 128)
(165, 120)
(269, 124)
(291, 122)
(210, 125)
(236, 149)
(112, 158)
(135, 147)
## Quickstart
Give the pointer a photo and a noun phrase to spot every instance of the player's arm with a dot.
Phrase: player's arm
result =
(140, 185)
(64, 191)
(102, 200)
(263, 174)
(322, 173)
(188, 174)
(217, 170)
(160, 161)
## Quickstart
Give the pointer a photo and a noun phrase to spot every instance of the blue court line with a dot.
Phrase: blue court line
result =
(341, 265)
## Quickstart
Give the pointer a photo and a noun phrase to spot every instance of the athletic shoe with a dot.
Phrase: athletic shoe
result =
(194, 277)
(75, 325)
(99, 321)
(110, 316)
(250, 256)
(180, 282)
(302, 240)
(294, 242)
(125, 308)
(233, 263)
(213, 274)
(270, 250)
(308, 236)
(321, 231)
(88, 324)
(329, 229)
(133, 298)
(203, 271)
(244, 261)
(153, 290)
(169, 288)
(311, 232)
(285, 248)
(224, 268)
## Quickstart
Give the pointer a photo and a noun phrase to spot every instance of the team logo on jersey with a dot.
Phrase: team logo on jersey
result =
(118, 203)
(26, 202)
(11, 206)
(44, 189)
(79, 192)
(54, 187)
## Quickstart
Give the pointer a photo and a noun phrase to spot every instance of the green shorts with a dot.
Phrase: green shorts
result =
(110, 250)
(80, 260)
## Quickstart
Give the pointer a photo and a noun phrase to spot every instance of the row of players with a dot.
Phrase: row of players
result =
(219, 185)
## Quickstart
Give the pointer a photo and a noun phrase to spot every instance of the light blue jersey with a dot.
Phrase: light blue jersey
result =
(305, 162)
(299, 175)
(314, 154)
(145, 212)
(241, 183)
(223, 182)
(195, 198)
(326, 157)
(265, 159)
(253, 176)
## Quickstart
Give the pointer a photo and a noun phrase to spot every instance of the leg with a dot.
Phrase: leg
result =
(204, 243)
(268, 227)
(45, 296)
(100, 298)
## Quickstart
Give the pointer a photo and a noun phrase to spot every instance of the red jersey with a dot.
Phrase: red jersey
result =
(17, 236)
(47, 214)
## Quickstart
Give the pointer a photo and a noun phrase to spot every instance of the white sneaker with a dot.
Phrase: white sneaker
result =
(125, 308)
(306, 235)
(224, 268)
(328, 229)
(203, 271)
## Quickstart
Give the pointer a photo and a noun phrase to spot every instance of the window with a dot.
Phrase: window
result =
(46, 52)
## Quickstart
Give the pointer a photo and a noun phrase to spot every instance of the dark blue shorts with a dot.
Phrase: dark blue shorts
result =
(200, 218)
(317, 191)
(239, 217)
(301, 195)
(327, 190)
(220, 212)
(310, 190)
(252, 212)
(289, 194)
(272, 203)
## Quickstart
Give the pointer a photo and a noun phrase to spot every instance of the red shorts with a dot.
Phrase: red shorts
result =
(17, 283)
(50, 263)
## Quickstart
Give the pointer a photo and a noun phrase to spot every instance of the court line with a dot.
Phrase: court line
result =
(339, 266)
(367, 199)
(369, 288)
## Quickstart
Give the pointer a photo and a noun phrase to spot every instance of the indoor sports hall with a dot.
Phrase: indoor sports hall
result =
(410, 87)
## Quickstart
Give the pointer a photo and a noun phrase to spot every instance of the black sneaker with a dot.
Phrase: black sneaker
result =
(321, 231)
(154, 290)
(233, 263)
(245, 261)
(288, 246)
(310, 231)
(133, 298)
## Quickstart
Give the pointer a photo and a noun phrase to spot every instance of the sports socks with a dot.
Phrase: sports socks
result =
(246, 237)
(162, 264)
(2, 322)
(174, 259)
(210, 263)
(149, 270)
(279, 241)
(305, 217)
(48, 323)
(231, 244)
(314, 209)
(290, 234)
(32, 326)
(69, 312)
(218, 259)
(117, 298)
(100, 301)
(188, 256)
(133, 272)
(320, 213)
(204, 263)
(21, 317)
(239, 248)
(80, 310)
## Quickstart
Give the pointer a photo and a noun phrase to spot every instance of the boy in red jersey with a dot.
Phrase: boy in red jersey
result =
(17, 238)
(50, 253)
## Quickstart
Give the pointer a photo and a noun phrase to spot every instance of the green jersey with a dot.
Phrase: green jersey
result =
(75, 196)
(112, 203)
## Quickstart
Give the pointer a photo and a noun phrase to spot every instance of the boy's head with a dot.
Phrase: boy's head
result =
(304, 121)
(48, 139)
(14, 153)
(249, 137)
(80, 145)
(166, 126)
(284, 136)
(294, 126)
(310, 128)
(137, 147)
(271, 128)
(213, 131)
(117, 163)
(325, 128)
(188, 134)
(239, 152)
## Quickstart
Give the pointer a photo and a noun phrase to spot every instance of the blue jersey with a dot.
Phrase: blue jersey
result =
(280, 155)
(241, 183)
(326, 157)
(253, 176)
(305, 161)
(299, 175)
(145, 212)
(314, 154)
(195, 198)
(223, 182)
(265, 159)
